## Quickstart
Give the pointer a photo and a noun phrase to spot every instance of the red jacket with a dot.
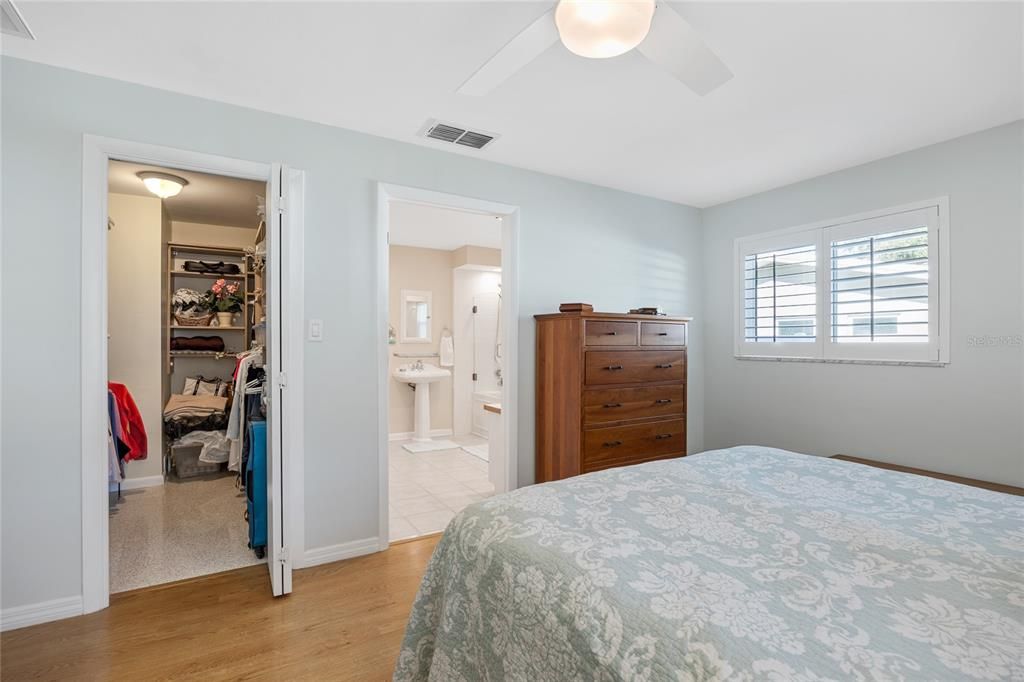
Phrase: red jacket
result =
(133, 433)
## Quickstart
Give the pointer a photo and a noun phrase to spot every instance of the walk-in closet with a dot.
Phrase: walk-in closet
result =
(187, 387)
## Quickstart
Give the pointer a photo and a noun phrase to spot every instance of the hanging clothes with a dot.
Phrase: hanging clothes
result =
(254, 412)
(236, 420)
(133, 432)
(115, 446)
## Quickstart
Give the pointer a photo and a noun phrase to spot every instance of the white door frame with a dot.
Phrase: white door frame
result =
(386, 193)
(97, 152)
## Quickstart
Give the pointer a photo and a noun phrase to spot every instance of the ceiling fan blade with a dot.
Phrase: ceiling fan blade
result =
(673, 44)
(517, 53)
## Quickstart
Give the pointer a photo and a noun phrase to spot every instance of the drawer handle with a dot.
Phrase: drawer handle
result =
(611, 333)
(662, 333)
(613, 404)
(612, 444)
(662, 401)
(668, 366)
(612, 368)
(662, 436)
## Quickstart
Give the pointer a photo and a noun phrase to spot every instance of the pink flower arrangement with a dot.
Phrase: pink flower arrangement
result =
(224, 297)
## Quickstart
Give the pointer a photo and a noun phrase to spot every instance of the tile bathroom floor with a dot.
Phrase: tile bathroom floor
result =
(178, 530)
(428, 488)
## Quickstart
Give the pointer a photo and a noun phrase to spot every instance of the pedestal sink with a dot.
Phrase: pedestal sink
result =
(421, 375)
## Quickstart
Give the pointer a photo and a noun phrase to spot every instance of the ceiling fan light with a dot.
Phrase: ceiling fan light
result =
(599, 29)
(164, 185)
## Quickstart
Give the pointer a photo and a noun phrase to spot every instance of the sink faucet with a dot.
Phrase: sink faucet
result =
(418, 364)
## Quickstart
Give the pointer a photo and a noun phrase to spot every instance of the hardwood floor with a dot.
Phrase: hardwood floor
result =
(344, 621)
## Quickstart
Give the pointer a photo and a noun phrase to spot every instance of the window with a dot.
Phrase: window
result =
(779, 296)
(861, 288)
(879, 324)
(880, 288)
(795, 329)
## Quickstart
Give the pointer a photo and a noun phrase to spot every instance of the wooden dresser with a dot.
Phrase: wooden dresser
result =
(611, 391)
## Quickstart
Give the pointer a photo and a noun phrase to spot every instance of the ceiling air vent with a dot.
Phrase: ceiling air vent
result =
(474, 140)
(446, 132)
(11, 21)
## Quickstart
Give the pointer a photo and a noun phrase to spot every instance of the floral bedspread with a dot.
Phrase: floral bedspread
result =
(744, 564)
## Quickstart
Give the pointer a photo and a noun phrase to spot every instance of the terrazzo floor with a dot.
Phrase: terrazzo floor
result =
(428, 488)
(181, 529)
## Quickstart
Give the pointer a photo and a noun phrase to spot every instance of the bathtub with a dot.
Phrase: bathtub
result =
(479, 427)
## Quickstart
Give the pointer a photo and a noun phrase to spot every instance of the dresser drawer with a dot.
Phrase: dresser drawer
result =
(633, 367)
(619, 404)
(609, 333)
(662, 334)
(623, 445)
(611, 464)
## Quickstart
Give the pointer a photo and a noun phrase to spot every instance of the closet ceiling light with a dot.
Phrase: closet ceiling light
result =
(163, 185)
(603, 28)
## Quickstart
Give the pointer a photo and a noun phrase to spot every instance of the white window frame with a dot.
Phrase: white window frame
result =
(776, 242)
(935, 212)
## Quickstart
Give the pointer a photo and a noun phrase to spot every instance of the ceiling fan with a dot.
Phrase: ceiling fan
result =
(600, 29)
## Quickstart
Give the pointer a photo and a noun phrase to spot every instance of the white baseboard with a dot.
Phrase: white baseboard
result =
(136, 483)
(43, 612)
(435, 433)
(346, 550)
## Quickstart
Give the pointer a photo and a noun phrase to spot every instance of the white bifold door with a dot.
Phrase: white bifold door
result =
(278, 558)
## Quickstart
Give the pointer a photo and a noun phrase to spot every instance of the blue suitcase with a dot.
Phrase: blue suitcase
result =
(256, 488)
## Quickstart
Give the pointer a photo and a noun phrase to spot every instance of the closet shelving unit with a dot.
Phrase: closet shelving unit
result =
(255, 295)
(237, 337)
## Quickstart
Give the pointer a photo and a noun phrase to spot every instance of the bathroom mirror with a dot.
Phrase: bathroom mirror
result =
(416, 312)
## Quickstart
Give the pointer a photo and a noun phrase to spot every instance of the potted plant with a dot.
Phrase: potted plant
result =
(224, 299)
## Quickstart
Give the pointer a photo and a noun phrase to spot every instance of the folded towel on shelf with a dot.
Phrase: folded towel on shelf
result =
(208, 343)
(194, 405)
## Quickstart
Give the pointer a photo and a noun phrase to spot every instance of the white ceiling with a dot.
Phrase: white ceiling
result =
(210, 199)
(818, 86)
(432, 227)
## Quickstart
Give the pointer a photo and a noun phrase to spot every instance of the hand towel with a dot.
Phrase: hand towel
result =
(447, 351)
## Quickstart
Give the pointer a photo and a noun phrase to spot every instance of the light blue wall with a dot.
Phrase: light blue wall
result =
(578, 243)
(965, 418)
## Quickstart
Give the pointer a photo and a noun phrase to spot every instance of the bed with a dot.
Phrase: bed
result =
(749, 563)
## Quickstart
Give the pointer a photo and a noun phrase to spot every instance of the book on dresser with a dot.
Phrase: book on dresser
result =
(611, 391)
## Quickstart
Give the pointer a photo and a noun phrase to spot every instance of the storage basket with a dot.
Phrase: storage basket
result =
(193, 320)
(187, 464)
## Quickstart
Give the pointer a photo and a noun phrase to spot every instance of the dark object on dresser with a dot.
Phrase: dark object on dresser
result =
(611, 391)
(576, 308)
(647, 311)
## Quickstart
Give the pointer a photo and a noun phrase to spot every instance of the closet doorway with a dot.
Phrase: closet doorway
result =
(197, 321)
(448, 361)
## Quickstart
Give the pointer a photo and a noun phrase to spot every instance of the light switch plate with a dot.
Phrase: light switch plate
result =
(316, 330)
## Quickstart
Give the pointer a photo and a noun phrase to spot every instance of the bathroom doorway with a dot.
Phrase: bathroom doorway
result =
(445, 367)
